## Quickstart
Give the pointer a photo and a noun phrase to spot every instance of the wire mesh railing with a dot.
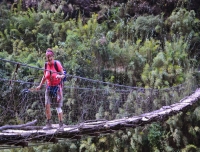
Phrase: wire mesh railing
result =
(84, 99)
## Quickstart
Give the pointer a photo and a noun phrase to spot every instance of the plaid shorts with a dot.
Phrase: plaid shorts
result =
(55, 98)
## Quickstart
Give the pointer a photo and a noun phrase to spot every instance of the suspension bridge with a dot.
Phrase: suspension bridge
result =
(91, 107)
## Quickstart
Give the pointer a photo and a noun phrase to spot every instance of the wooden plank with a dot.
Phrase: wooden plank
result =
(17, 126)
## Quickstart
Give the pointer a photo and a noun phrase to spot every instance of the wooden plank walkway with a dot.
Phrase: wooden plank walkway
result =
(27, 133)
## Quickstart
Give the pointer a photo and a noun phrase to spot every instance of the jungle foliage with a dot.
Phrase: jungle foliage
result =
(150, 50)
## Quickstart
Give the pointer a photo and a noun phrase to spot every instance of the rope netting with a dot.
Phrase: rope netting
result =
(84, 99)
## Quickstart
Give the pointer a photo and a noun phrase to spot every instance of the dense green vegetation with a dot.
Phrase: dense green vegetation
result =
(148, 51)
(151, 51)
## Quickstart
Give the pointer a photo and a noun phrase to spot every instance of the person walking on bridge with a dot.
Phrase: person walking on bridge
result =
(53, 75)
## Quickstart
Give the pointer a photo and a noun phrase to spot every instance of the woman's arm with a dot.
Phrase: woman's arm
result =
(41, 83)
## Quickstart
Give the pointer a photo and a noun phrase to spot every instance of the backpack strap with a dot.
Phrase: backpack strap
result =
(45, 66)
(55, 66)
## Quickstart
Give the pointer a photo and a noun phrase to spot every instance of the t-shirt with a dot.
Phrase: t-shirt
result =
(51, 76)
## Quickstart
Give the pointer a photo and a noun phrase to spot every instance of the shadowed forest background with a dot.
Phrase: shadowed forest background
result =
(150, 44)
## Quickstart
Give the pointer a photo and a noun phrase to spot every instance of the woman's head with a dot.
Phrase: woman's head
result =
(49, 55)
(49, 52)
